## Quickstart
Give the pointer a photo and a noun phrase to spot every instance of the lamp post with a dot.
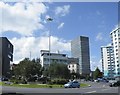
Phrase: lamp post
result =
(49, 19)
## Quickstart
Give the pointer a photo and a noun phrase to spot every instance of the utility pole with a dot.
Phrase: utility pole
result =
(30, 55)
(49, 20)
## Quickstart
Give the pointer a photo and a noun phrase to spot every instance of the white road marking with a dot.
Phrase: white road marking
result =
(91, 92)
(104, 89)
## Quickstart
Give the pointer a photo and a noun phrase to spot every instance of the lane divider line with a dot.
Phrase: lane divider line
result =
(91, 92)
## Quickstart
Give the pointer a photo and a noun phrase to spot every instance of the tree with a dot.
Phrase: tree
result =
(57, 70)
(27, 69)
(96, 73)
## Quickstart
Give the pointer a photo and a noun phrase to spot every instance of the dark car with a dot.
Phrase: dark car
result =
(4, 79)
(72, 84)
(115, 84)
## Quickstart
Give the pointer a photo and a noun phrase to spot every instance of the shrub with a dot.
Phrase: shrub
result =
(59, 81)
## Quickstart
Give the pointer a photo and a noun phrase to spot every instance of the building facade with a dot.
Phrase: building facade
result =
(115, 38)
(47, 58)
(73, 65)
(6, 55)
(80, 49)
(108, 64)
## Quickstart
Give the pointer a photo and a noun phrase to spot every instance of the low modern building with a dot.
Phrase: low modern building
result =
(108, 63)
(6, 56)
(73, 65)
(47, 58)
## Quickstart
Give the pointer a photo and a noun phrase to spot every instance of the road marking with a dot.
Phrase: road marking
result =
(91, 92)
(103, 85)
(104, 89)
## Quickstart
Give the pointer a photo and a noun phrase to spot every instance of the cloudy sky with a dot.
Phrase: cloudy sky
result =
(25, 25)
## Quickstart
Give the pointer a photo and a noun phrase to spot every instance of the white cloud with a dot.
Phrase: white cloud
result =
(61, 25)
(22, 18)
(99, 37)
(62, 11)
(23, 46)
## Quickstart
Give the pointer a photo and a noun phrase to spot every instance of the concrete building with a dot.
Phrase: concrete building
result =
(108, 64)
(47, 58)
(115, 38)
(73, 65)
(6, 55)
(80, 49)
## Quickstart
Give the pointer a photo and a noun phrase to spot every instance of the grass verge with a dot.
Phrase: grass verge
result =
(39, 85)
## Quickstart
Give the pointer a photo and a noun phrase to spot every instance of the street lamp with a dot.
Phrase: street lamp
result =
(49, 19)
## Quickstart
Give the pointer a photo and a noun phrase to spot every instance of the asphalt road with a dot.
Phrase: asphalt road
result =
(95, 89)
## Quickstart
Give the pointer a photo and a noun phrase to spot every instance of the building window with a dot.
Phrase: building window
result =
(73, 71)
(118, 65)
(114, 32)
(118, 73)
(8, 45)
(69, 66)
(72, 65)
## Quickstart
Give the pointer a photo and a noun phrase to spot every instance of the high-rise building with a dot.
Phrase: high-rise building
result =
(108, 64)
(115, 37)
(80, 49)
(6, 55)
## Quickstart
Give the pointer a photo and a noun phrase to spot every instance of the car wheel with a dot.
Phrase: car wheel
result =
(70, 86)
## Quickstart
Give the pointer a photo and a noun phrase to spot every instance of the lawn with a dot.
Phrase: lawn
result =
(39, 85)
(0, 83)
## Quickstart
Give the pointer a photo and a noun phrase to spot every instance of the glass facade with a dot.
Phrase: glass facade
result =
(80, 49)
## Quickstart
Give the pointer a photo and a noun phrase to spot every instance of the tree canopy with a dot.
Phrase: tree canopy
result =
(27, 69)
(97, 73)
(57, 70)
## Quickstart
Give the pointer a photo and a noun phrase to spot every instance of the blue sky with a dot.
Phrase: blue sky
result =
(28, 26)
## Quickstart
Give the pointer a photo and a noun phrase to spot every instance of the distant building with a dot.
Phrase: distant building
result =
(115, 38)
(47, 58)
(13, 66)
(6, 55)
(108, 64)
(73, 65)
(80, 49)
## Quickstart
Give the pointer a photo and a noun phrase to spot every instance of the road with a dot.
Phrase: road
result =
(101, 88)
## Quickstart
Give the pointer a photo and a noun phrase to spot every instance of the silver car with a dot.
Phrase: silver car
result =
(72, 84)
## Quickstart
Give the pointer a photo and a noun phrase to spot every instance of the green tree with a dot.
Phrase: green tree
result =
(96, 73)
(57, 70)
(27, 69)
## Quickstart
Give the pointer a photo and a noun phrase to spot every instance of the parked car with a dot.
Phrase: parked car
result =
(72, 84)
(3, 79)
(114, 84)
